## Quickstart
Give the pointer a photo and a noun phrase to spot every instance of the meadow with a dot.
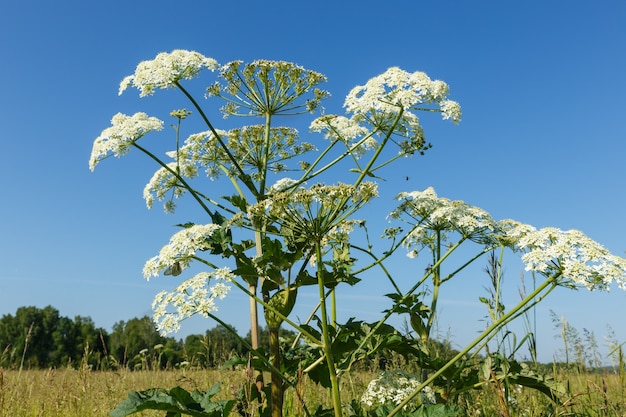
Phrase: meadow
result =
(82, 392)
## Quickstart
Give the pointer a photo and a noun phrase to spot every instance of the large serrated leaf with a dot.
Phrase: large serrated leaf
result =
(176, 402)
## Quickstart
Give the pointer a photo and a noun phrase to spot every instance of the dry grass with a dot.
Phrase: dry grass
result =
(74, 393)
(84, 393)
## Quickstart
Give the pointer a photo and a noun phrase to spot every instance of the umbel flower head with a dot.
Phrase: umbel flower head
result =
(314, 214)
(194, 296)
(573, 257)
(182, 247)
(265, 87)
(391, 387)
(384, 106)
(398, 88)
(570, 254)
(124, 131)
(428, 213)
(166, 70)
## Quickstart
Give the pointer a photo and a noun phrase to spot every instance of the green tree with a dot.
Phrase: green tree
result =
(42, 338)
(171, 354)
(195, 350)
(128, 339)
(65, 340)
(215, 347)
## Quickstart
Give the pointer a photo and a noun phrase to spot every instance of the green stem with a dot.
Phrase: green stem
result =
(312, 339)
(266, 153)
(333, 308)
(326, 344)
(436, 285)
(550, 282)
(248, 346)
(478, 255)
(242, 175)
(378, 261)
(534, 303)
(369, 165)
(178, 177)
(406, 296)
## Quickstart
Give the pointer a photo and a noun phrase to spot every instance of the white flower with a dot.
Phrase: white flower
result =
(166, 70)
(193, 296)
(396, 87)
(182, 246)
(427, 213)
(451, 110)
(572, 254)
(164, 181)
(118, 138)
(348, 131)
(386, 102)
(392, 387)
(282, 185)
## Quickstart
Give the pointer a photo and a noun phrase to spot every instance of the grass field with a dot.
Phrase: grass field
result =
(83, 393)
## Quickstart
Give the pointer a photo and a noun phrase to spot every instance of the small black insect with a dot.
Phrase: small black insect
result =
(173, 269)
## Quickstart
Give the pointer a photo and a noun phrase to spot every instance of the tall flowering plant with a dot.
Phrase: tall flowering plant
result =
(283, 228)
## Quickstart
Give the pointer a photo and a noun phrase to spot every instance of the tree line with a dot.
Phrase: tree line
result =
(42, 338)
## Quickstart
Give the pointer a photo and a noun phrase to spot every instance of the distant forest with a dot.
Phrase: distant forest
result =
(41, 338)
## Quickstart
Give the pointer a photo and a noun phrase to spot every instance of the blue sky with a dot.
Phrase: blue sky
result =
(542, 139)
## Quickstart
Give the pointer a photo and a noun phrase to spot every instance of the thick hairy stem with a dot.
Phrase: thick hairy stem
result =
(326, 344)
(277, 391)
(254, 319)
(436, 284)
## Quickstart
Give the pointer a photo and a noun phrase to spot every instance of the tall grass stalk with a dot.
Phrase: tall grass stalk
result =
(28, 336)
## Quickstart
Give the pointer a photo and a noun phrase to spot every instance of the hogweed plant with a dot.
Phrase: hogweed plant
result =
(283, 228)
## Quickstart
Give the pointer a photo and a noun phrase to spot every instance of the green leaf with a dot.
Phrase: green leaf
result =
(237, 201)
(176, 402)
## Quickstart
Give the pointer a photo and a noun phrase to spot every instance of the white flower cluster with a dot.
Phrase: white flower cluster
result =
(392, 387)
(164, 180)
(356, 137)
(282, 185)
(341, 232)
(317, 214)
(397, 87)
(194, 296)
(385, 105)
(309, 202)
(118, 138)
(428, 212)
(182, 246)
(573, 255)
(548, 251)
(167, 69)
(267, 87)
(204, 150)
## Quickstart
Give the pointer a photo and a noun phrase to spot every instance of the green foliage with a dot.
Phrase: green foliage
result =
(176, 402)
(128, 339)
(213, 349)
(37, 337)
